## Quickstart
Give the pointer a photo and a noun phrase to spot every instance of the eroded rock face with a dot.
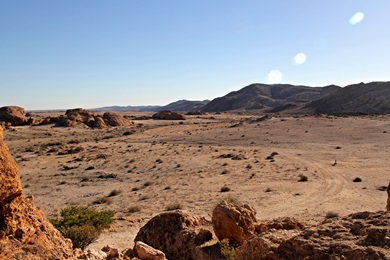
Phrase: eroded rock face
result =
(236, 223)
(13, 115)
(180, 236)
(25, 232)
(169, 115)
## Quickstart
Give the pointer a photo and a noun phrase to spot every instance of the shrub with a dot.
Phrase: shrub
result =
(331, 214)
(303, 178)
(114, 193)
(225, 189)
(357, 179)
(82, 225)
(173, 206)
(226, 249)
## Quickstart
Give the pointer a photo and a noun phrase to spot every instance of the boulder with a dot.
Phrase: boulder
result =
(180, 236)
(13, 115)
(112, 252)
(145, 252)
(25, 233)
(116, 119)
(236, 223)
(99, 123)
(168, 115)
(286, 223)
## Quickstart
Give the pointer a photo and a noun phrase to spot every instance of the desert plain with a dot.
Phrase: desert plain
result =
(302, 166)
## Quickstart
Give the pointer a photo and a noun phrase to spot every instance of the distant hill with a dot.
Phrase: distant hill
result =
(370, 98)
(180, 106)
(263, 96)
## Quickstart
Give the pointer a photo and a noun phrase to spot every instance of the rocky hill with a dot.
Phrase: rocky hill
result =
(263, 96)
(370, 98)
(180, 106)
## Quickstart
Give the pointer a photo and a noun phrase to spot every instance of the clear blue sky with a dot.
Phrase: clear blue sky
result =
(93, 53)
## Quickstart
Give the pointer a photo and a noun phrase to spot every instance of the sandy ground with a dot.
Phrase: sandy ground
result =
(156, 165)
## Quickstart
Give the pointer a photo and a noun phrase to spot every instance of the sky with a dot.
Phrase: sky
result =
(95, 53)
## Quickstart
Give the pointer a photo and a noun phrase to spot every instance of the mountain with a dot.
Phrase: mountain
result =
(370, 98)
(263, 96)
(180, 106)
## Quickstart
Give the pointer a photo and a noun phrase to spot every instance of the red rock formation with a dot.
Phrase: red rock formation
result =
(13, 115)
(169, 115)
(233, 222)
(25, 232)
(180, 236)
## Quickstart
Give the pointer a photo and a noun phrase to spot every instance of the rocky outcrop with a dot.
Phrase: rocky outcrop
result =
(115, 119)
(364, 235)
(25, 233)
(236, 223)
(180, 236)
(79, 116)
(13, 115)
(168, 115)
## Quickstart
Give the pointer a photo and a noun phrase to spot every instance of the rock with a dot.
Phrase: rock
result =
(168, 115)
(99, 123)
(236, 223)
(388, 198)
(285, 223)
(63, 121)
(13, 115)
(95, 255)
(25, 233)
(112, 252)
(180, 236)
(363, 235)
(115, 119)
(145, 252)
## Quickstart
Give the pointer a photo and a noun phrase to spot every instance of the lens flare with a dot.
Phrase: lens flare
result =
(356, 18)
(300, 58)
(275, 76)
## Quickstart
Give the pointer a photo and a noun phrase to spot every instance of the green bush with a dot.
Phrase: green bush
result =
(83, 225)
(226, 249)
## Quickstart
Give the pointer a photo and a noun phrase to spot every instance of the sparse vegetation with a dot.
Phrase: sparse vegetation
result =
(225, 189)
(303, 178)
(83, 225)
(102, 200)
(114, 193)
(133, 209)
(173, 206)
(357, 179)
(331, 214)
(226, 249)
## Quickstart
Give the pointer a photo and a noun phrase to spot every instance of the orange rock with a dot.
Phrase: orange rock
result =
(14, 115)
(146, 252)
(236, 223)
(388, 198)
(25, 233)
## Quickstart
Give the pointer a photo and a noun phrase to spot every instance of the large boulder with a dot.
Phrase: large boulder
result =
(13, 115)
(180, 236)
(25, 233)
(116, 119)
(146, 252)
(236, 223)
(169, 115)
